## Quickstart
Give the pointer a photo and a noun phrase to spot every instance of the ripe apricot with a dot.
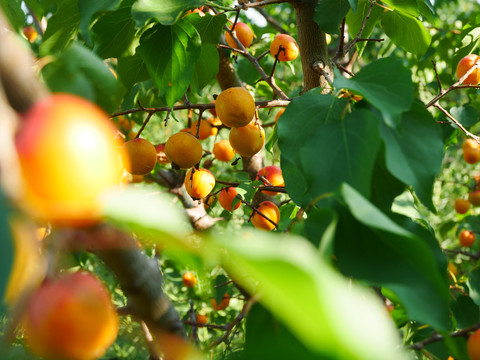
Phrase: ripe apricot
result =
(183, 149)
(464, 65)
(272, 176)
(474, 198)
(30, 33)
(466, 238)
(201, 319)
(71, 317)
(189, 280)
(139, 156)
(223, 151)
(69, 158)
(279, 113)
(268, 209)
(289, 50)
(235, 107)
(471, 155)
(214, 121)
(461, 206)
(473, 345)
(243, 33)
(199, 183)
(247, 140)
(205, 129)
(223, 303)
(226, 197)
(161, 156)
(124, 124)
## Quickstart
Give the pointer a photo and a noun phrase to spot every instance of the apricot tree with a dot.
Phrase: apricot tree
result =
(353, 236)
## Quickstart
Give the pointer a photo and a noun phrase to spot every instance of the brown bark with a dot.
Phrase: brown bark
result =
(226, 76)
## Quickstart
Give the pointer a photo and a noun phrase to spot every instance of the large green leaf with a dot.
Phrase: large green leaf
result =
(386, 84)
(114, 33)
(354, 20)
(371, 246)
(408, 6)
(329, 13)
(209, 27)
(170, 53)
(331, 316)
(62, 28)
(87, 9)
(166, 12)
(79, 71)
(13, 11)
(131, 70)
(320, 148)
(406, 31)
(206, 67)
(466, 312)
(412, 157)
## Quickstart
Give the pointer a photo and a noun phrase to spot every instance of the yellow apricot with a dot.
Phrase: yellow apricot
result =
(268, 209)
(183, 149)
(199, 183)
(247, 140)
(139, 156)
(223, 151)
(235, 107)
(289, 50)
(243, 33)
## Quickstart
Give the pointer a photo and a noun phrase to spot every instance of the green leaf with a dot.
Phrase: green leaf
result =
(79, 71)
(131, 70)
(332, 319)
(170, 53)
(355, 18)
(62, 28)
(406, 32)
(329, 13)
(209, 27)
(408, 6)
(386, 84)
(324, 222)
(114, 34)
(87, 8)
(14, 13)
(467, 115)
(466, 312)
(6, 247)
(372, 247)
(473, 283)
(353, 4)
(320, 150)
(206, 67)
(412, 157)
(167, 12)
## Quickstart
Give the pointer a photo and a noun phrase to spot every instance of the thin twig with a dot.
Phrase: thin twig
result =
(437, 337)
(447, 114)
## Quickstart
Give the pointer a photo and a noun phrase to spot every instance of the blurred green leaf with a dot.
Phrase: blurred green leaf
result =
(465, 311)
(473, 284)
(336, 10)
(409, 6)
(386, 83)
(167, 12)
(87, 9)
(14, 13)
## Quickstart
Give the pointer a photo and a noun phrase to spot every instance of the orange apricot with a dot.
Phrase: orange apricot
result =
(139, 156)
(223, 151)
(474, 198)
(199, 183)
(184, 150)
(205, 129)
(272, 176)
(235, 107)
(471, 155)
(473, 345)
(268, 209)
(461, 206)
(247, 140)
(201, 319)
(279, 113)
(71, 317)
(223, 303)
(464, 65)
(226, 197)
(189, 280)
(466, 238)
(243, 33)
(30, 33)
(289, 48)
(69, 158)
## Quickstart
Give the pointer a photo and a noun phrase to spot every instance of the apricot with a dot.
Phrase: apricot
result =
(226, 197)
(473, 345)
(125, 124)
(214, 121)
(30, 33)
(474, 198)
(205, 129)
(201, 319)
(199, 183)
(268, 209)
(464, 65)
(243, 33)
(289, 50)
(189, 280)
(461, 206)
(71, 317)
(183, 149)
(247, 140)
(139, 156)
(161, 156)
(279, 113)
(223, 151)
(466, 238)
(273, 176)
(69, 158)
(471, 155)
(223, 303)
(235, 107)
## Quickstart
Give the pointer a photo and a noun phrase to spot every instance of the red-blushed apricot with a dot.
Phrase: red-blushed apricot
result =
(189, 280)
(30, 33)
(201, 319)
(69, 158)
(247, 140)
(223, 303)
(461, 206)
(223, 151)
(474, 198)
(184, 150)
(235, 107)
(205, 129)
(464, 65)
(243, 33)
(279, 113)
(273, 176)
(289, 46)
(268, 209)
(199, 183)
(71, 317)
(161, 156)
(139, 156)
(466, 238)
(473, 345)
(226, 196)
